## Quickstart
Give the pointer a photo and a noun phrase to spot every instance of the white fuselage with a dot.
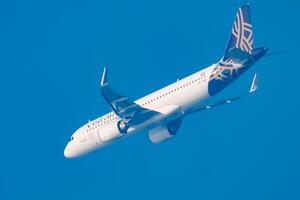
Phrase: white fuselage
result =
(162, 111)
(184, 94)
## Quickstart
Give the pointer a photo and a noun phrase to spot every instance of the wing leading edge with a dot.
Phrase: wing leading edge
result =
(126, 109)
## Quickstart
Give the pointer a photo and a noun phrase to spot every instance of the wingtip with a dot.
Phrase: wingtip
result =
(253, 87)
(104, 76)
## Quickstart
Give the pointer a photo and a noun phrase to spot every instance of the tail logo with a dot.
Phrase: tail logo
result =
(242, 31)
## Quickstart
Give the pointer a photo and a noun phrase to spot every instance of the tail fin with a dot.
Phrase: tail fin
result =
(241, 36)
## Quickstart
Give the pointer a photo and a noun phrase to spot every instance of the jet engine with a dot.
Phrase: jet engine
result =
(164, 132)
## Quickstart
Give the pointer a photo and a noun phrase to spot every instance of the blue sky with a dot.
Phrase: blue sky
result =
(51, 58)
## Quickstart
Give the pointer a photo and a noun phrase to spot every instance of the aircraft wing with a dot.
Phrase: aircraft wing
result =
(253, 88)
(122, 105)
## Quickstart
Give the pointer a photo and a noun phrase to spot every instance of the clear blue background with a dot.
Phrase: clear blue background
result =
(51, 58)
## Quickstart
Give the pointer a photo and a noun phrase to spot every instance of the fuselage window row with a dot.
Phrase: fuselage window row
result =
(111, 118)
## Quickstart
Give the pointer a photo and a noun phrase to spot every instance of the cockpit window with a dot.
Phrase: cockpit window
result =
(71, 138)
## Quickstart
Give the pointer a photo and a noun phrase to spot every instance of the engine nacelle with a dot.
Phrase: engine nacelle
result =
(159, 134)
(122, 126)
(164, 132)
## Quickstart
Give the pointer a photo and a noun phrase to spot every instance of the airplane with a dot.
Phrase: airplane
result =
(162, 112)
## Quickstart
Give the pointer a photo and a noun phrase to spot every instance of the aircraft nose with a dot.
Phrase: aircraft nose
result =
(68, 152)
(73, 151)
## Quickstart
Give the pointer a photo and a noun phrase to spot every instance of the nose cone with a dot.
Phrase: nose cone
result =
(71, 151)
(74, 150)
(68, 153)
(258, 53)
(81, 144)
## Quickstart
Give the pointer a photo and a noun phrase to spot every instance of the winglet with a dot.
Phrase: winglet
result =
(254, 84)
(104, 77)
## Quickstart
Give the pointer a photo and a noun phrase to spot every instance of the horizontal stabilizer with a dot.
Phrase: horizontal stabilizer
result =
(238, 55)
